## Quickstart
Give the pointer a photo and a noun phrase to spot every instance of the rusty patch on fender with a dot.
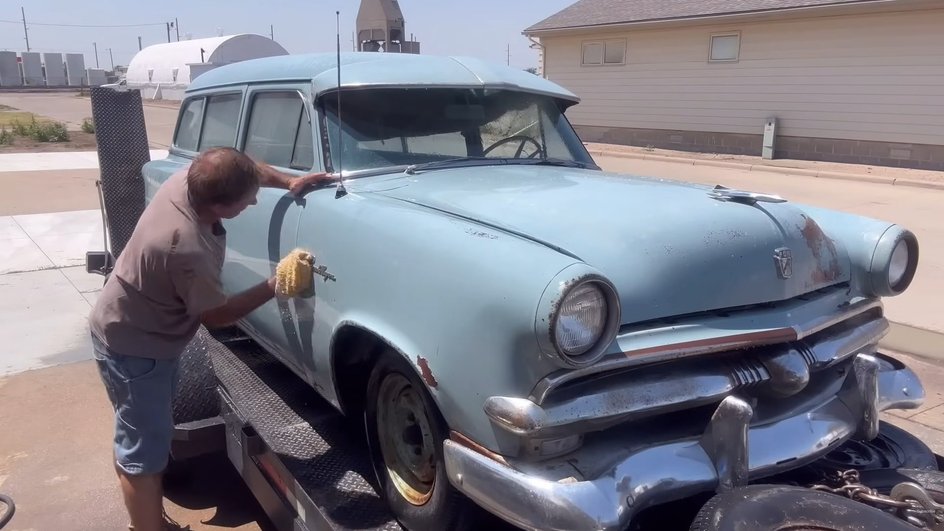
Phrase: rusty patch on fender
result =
(426, 373)
(826, 268)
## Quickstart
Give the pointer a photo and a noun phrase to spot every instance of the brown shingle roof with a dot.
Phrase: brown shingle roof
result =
(603, 12)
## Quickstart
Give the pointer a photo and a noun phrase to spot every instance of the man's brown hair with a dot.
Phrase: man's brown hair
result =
(221, 176)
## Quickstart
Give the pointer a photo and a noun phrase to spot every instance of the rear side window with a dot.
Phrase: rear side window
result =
(279, 132)
(222, 118)
(188, 132)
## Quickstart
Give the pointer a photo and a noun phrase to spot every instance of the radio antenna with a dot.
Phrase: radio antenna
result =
(341, 192)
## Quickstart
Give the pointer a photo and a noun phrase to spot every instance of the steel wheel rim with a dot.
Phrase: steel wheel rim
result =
(406, 439)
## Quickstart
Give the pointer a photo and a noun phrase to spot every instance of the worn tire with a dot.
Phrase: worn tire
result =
(445, 508)
(893, 448)
(777, 507)
(196, 397)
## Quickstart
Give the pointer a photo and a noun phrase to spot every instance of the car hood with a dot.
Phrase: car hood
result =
(668, 247)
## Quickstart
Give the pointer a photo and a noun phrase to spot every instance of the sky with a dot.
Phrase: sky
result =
(486, 29)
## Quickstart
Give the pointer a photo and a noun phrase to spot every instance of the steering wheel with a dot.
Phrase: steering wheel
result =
(520, 138)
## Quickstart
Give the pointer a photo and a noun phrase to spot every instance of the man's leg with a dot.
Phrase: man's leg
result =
(141, 390)
(144, 499)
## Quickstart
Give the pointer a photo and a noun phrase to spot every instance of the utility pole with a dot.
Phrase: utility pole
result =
(25, 32)
(95, 45)
(139, 43)
(508, 51)
(168, 30)
(271, 32)
(112, 58)
(177, 28)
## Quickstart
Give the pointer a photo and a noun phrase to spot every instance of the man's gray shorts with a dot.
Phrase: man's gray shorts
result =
(141, 391)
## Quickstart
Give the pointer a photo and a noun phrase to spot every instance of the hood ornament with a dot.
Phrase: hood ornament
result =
(723, 193)
(783, 258)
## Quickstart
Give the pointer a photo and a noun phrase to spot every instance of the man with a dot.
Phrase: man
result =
(165, 284)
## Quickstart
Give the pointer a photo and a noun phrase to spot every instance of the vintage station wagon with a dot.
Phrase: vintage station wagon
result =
(560, 345)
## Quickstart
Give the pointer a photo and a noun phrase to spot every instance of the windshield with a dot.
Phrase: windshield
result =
(385, 128)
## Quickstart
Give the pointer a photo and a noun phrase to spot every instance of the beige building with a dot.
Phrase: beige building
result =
(841, 80)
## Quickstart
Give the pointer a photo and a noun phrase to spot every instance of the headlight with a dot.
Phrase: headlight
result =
(577, 317)
(894, 262)
(581, 320)
(898, 265)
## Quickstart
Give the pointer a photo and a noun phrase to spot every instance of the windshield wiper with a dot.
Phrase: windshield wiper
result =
(452, 163)
(551, 162)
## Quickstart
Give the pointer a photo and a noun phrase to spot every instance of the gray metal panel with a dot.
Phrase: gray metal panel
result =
(95, 77)
(75, 69)
(32, 69)
(122, 151)
(9, 70)
(55, 69)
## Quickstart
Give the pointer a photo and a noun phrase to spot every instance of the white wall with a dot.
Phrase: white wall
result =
(864, 77)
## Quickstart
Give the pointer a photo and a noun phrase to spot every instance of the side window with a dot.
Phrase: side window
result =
(279, 132)
(222, 118)
(188, 132)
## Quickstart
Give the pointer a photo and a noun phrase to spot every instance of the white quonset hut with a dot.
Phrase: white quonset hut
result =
(164, 71)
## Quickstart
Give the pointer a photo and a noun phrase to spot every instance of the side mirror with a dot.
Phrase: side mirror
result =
(99, 262)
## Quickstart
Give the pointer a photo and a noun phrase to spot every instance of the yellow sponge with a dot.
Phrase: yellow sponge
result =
(293, 275)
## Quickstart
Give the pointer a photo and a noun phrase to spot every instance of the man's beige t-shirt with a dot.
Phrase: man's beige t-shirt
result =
(165, 278)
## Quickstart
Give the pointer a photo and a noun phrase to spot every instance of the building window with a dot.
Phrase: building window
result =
(279, 131)
(608, 52)
(725, 47)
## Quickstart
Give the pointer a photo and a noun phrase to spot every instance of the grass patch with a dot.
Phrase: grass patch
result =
(40, 131)
(88, 125)
(9, 118)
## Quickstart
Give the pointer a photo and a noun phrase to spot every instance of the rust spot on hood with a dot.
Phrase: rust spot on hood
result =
(426, 373)
(827, 267)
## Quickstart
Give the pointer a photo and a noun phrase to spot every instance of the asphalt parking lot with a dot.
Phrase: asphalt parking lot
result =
(54, 417)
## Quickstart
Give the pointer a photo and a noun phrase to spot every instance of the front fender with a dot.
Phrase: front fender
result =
(870, 243)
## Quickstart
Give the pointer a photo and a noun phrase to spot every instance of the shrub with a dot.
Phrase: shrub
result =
(6, 137)
(50, 132)
(21, 129)
(88, 125)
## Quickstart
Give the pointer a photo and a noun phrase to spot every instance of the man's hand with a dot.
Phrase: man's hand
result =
(298, 185)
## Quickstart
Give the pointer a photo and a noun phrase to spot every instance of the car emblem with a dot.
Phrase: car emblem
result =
(784, 260)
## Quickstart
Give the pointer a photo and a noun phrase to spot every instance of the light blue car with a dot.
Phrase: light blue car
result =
(562, 346)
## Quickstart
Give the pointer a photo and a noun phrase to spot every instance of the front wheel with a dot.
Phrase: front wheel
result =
(405, 432)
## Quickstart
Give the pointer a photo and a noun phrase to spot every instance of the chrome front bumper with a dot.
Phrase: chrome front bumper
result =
(728, 453)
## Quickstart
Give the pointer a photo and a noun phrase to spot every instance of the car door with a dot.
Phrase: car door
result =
(277, 130)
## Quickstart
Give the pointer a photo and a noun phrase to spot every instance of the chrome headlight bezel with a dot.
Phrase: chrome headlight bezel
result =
(550, 314)
(881, 267)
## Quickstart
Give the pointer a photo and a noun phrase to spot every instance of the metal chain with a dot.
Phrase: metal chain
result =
(921, 515)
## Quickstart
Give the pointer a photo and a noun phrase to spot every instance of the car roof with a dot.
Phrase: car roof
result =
(378, 69)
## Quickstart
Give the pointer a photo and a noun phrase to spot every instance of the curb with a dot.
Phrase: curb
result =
(919, 342)
(875, 179)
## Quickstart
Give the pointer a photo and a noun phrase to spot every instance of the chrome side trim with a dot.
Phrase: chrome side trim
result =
(631, 358)
(673, 470)
(685, 384)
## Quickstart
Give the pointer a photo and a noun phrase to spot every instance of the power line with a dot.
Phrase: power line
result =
(85, 25)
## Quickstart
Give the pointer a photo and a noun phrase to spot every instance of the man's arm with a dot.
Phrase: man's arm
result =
(239, 305)
(273, 178)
